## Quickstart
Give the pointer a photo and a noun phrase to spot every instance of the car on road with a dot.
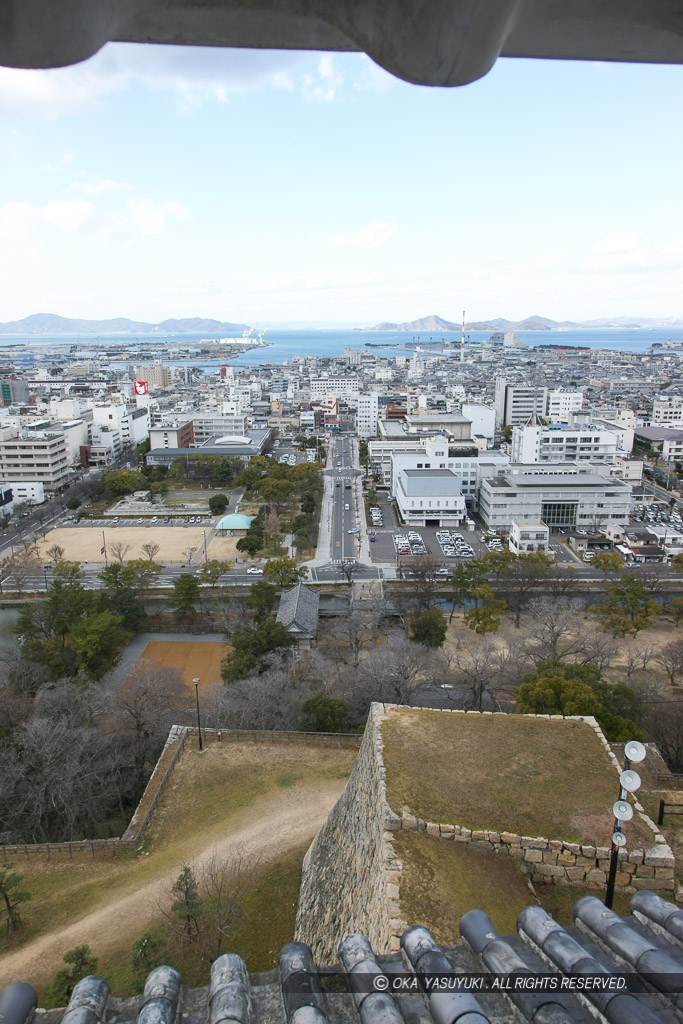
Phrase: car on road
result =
(254, 570)
(353, 530)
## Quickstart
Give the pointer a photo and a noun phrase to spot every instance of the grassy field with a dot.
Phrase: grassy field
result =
(267, 801)
(441, 881)
(192, 659)
(505, 773)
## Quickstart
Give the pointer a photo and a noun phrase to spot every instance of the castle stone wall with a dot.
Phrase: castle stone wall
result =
(351, 873)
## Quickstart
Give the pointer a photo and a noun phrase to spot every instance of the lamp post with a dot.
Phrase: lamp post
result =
(629, 782)
(199, 724)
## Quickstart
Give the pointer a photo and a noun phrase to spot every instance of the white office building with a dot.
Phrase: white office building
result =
(518, 403)
(368, 415)
(667, 412)
(561, 404)
(525, 538)
(40, 456)
(562, 497)
(430, 497)
(469, 466)
(341, 387)
(560, 443)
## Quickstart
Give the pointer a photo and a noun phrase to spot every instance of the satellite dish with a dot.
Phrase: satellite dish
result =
(622, 810)
(619, 839)
(635, 751)
(630, 781)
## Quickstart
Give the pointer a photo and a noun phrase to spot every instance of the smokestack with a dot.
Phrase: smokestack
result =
(462, 338)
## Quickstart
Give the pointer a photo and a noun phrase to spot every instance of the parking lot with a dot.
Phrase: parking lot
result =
(116, 521)
(420, 539)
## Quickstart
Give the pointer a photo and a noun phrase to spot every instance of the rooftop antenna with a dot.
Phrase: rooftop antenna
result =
(462, 339)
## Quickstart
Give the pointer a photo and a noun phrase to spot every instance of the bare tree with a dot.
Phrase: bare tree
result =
(272, 526)
(476, 666)
(638, 658)
(671, 659)
(21, 566)
(151, 550)
(552, 630)
(119, 550)
(394, 673)
(421, 571)
(271, 699)
(188, 553)
(664, 725)
(597, 649)
(55, 553)
(349, 568)
(358, 630)
(203, 905)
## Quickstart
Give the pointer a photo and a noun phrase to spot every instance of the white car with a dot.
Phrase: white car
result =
(254, 570)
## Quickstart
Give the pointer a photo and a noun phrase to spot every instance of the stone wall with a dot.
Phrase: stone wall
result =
(350, 872)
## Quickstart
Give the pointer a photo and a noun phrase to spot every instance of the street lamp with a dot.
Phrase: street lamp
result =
(199, 724)
(629, 782)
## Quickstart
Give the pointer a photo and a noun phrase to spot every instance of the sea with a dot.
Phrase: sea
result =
(282, 346)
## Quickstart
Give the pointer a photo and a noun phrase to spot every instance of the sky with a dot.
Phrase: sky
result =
(153, 182)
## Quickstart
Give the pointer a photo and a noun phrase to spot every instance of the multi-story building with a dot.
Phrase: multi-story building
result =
(205, 426)
(157, 376)
(561, 404)
(562, 497)
(14, 392)
(525, 538)
(518, 403)
(469, 465)
(38, 456)
(667, 412)
(559, 443)
(429, 497)
(368, 415)
(172, 435)
(342, 387)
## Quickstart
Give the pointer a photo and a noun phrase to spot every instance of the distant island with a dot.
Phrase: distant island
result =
(532, 323)
(49, 323)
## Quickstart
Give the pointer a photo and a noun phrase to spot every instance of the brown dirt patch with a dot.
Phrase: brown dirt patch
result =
(510, 773)
(190, 658)
(84, 543)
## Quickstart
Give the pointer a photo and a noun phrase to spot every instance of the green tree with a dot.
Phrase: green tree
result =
(484, 616)
(148, 952)
(186, 592)
(176, 471)
(607, 562)
(627, 606)
(211, 571)
(95, 641)
(521, 574)
(561, 688)
(124, 481)
(250, 648)
(218, 504)
(186, 903)
(677, 563)
(284, 571)
(74, 503)
(12, 895)
(676, 609)
(429, 627)
(308, 504)
(324, 714)
(465, 578)
(250, 543)
(262, 599)
(81, 963)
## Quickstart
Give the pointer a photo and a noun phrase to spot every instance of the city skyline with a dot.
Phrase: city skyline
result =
(157, 182)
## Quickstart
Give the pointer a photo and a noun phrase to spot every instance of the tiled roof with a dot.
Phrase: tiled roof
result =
(630, 971)
(298, 611)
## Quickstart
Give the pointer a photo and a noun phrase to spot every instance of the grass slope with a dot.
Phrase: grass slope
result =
(505, 773)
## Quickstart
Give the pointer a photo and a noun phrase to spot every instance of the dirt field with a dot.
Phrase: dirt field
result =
(193, 659)
(84, 544)
(224, 547)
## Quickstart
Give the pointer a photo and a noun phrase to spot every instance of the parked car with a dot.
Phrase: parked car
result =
(254, 570)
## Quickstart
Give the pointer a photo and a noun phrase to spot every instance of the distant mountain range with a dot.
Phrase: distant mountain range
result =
(532, 323)
(49, 323)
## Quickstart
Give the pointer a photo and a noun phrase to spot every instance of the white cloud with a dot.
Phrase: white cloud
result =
(625, 241)
(370, 237)
(58, 165)
(150, 218)
(19, 219)
(96, 188)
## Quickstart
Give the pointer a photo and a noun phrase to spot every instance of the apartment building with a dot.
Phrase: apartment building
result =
(38, 456)
(560, 443)
(342, 387)
(667, 412)
(172, 435)
(562, 403)
(517, 403)
(367, 419)
(206, 425)
(562, 497)
(14, 392)
(157, 376)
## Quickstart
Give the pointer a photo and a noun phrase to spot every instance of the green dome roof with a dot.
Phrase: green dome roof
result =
(234, 522)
